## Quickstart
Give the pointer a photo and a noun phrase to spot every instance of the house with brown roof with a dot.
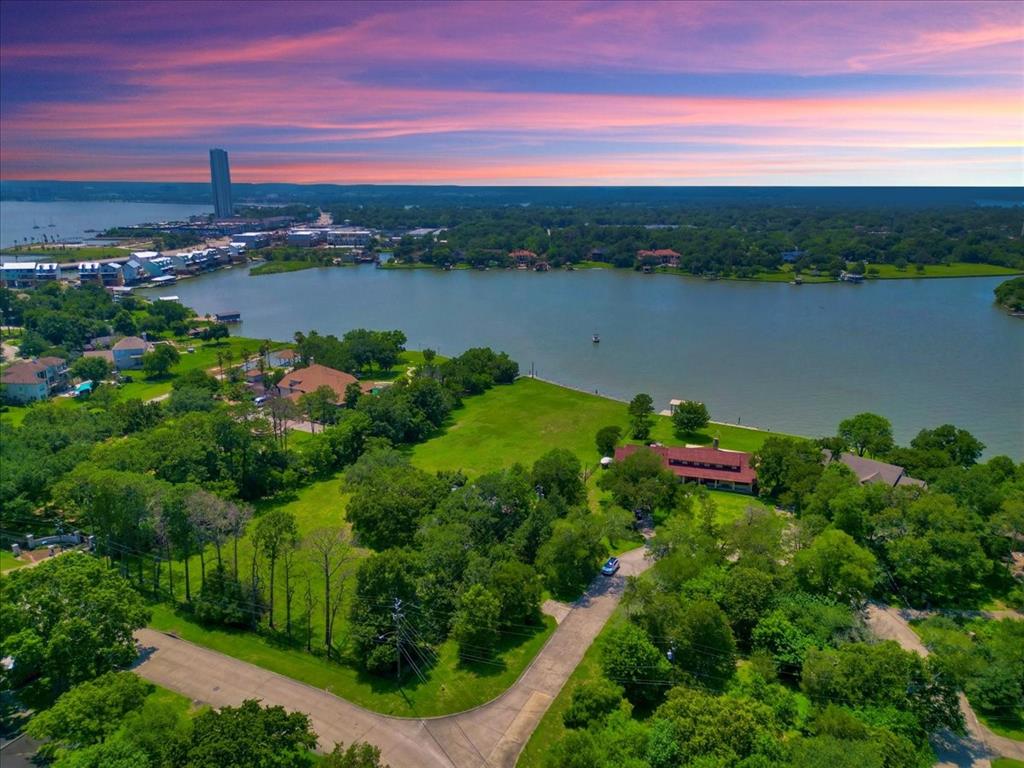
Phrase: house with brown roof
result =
(34, 380)
(872, 471)
(711, 467)
(302, 381)
(282, 358)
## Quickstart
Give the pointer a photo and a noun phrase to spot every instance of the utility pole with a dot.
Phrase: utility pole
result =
(396, 616)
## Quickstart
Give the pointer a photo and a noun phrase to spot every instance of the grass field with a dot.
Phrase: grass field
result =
(8, 562)
(65, 255)
(1007, 762)
(274, 267)
(957, 269)
(521, 422)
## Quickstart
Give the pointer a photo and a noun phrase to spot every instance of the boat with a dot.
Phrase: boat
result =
(34, 224)
(51, 224)
(596, 339)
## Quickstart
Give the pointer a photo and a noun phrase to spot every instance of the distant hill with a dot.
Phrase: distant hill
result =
(401, 195)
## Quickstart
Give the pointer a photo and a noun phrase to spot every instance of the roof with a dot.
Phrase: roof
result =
(659, 252)
(104, 354)
(26, 266)
(524, 253)
(730, 466)
(872, 471)
(29, 372)
(51, 360)
(131, 342)
(310, 379)
(285, 354)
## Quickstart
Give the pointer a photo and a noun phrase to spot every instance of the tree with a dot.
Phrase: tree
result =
(124, 324)
(640, 409)
(273, 533)
(748, 595)
(215, 332)
(475, 628)
(250, 735)
(69, 619)
(689, 416)
(282, 410)
(640, 483)
(329, 549)
(382, 579)
(353, 391)
(867, 433)
(90, 711)
(518, 590)
(91, 369)
(607, 438)
(705, 645)
(223, 600)
(788, 469)
(962, 448)
(571, 557)
(835, 566)
(629, 658)
(558, 472)
(386, 507)
(319, 405)
(158, 362)
(592, 701)
(355, 755)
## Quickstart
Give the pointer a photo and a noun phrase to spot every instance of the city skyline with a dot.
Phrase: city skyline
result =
(491, 93)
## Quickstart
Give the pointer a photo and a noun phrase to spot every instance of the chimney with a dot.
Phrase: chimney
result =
(714, 443)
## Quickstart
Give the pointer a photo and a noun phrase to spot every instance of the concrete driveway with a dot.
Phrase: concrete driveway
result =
(492, 734)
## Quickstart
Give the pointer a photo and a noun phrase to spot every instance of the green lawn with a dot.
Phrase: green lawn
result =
(85, 253)
(274, 267)
(1007, 762)
(523, 421)
(8, 562)
(1011, 727)
(957, 269)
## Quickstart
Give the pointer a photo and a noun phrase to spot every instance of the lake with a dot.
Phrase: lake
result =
(71, 219)
(788, 358)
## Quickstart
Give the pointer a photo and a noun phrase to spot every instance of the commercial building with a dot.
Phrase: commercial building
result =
(220, 179)
(252, 239)
(349, 236)
(712, 467)
(304, 238)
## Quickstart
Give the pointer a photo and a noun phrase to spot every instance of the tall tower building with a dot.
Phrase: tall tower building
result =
(220, 178)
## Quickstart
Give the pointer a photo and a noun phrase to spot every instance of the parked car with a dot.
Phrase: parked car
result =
(611, 567)
(260, 400)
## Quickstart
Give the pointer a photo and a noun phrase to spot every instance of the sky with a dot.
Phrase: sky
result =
(595, 93)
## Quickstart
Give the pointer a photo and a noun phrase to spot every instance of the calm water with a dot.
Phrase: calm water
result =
(787, 358)
(72, 219)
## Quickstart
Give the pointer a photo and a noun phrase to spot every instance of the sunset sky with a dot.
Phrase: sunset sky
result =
(919, 93)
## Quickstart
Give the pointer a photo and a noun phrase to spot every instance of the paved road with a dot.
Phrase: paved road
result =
(974, 750)
(491, 735)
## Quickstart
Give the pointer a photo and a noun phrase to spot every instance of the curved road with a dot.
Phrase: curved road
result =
(492, 734)
(974, 750)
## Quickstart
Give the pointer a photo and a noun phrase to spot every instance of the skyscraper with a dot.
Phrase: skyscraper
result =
(220, 178)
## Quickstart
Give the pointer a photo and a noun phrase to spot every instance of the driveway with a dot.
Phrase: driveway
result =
(974, 750)
(492, 734)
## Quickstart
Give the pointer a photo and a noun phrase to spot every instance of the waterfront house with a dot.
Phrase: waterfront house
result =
(17, 274)
(47, 272)
(522, 259)
(89, 272)
(665, 257)
(111, 274)
(872, 471)
(128, 352)
(34, 380)
(711, 467)
(350, 236)
(851, 277)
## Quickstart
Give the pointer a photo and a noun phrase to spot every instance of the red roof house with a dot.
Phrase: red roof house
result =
(665, 256)
(713, 467)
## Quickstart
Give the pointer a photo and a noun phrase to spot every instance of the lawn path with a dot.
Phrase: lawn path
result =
(974, 750)
(490, 735)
